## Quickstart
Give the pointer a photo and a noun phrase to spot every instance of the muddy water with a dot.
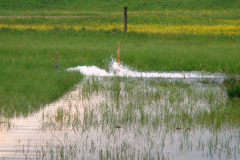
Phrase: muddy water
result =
(126, 118)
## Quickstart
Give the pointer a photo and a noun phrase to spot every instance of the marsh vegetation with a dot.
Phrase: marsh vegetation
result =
(146, 118)
(57, 114)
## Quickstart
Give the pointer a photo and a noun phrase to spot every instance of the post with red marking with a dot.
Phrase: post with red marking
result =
(56, 61)
(118, 55)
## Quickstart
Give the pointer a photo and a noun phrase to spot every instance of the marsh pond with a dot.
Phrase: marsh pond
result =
(127, 115)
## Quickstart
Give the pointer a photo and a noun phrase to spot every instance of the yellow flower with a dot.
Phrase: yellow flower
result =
(219, 26)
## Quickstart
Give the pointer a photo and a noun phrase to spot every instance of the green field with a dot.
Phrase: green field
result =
(116, 5)
(184, 35)
(56, 114)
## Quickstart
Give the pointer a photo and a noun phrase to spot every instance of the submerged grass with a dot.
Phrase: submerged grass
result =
(132, 118)
(123, 101)
(233, 88)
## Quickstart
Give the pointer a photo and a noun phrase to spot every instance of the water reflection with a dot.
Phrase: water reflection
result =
(122, 118)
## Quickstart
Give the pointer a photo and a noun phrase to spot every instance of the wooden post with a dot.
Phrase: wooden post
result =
(125, 19)
(56, 61)
(118, 55)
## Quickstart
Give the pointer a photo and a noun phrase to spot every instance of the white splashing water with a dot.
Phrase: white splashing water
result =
(124, 71)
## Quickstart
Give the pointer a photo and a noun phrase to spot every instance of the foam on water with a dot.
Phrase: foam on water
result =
(124, 71)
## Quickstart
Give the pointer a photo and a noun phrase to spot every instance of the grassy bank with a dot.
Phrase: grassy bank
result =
(28, 77)
(162, 36)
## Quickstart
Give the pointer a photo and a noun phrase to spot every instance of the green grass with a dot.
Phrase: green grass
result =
(27, 70)
(233, 88)
(116, 5)
(28, 80)
(145, 52)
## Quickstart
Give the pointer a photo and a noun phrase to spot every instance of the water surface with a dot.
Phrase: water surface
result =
(126, 115)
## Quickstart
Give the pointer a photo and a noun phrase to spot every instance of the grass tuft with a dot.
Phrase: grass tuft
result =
(233, 88)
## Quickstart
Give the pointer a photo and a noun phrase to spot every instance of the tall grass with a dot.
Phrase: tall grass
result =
(162, 36)
(132, 116)
(27, 71)
(28, 79)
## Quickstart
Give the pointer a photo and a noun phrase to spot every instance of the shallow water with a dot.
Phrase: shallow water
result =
(123, 117)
